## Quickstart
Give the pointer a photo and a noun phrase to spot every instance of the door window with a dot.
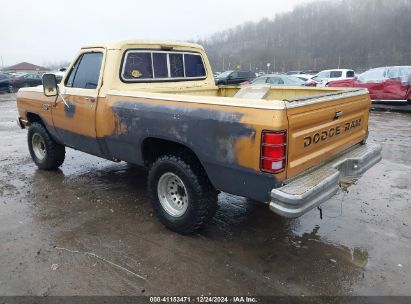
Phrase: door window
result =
(335, 74)
(86, 71)
(242, 74)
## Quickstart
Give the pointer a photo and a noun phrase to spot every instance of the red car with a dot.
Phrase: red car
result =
(388, 84)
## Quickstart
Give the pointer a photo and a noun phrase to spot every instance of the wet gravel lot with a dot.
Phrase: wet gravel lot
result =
(88, 229)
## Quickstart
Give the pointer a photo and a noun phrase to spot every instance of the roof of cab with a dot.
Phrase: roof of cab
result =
(116, 45)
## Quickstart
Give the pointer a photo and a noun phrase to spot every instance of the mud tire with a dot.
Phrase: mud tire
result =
(202, 197)
(54, 152)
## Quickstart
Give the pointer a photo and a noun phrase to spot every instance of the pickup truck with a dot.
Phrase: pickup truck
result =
(155, 104)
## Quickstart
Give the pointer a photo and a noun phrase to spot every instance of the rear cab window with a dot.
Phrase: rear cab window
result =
(153, 65)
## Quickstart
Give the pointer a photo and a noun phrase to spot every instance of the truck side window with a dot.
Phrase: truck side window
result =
(335, 74)
(86, 72)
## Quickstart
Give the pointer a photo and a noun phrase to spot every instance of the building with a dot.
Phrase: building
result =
(25, 67)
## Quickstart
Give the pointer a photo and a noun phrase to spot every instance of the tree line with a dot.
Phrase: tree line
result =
(318, 35)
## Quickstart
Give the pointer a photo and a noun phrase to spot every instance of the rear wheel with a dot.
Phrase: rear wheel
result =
(182, 196)
(45, 152)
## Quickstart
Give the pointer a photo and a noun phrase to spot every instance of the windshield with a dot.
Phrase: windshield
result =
(295, 80)
(224, 74)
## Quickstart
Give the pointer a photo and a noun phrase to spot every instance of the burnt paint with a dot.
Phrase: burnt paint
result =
(210, 134)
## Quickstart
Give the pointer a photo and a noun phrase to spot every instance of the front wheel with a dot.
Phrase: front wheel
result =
(45, 152)
(182, 196)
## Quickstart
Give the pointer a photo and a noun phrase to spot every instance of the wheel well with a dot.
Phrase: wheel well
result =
(153, 148)
(32, 117)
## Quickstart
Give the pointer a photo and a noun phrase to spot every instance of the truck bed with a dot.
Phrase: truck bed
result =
(305, 112)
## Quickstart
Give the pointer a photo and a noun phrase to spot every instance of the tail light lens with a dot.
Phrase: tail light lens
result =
(273, 151)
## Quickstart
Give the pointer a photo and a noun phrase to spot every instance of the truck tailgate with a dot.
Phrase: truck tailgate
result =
(322, 126)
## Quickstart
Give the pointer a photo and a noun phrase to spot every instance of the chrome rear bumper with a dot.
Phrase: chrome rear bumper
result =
(314, 187)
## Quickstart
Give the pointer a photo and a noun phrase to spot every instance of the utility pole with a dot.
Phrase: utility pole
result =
(2, 63)
(223, 65)
(339, 60)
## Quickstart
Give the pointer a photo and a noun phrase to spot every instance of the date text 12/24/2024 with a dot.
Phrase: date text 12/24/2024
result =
(204, 299)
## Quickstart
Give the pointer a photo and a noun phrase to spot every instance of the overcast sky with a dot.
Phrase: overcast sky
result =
(54, 30)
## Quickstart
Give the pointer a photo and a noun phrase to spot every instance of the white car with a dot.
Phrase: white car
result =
(323, 77)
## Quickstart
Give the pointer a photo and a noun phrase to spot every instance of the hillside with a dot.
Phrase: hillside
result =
(319, 35)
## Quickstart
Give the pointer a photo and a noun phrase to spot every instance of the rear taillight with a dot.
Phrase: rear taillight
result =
(273, 151)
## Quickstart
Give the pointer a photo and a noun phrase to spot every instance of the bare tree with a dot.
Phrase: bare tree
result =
(318, 35)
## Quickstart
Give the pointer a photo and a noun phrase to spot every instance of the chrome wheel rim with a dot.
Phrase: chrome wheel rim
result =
(172, 194)
(39, 147)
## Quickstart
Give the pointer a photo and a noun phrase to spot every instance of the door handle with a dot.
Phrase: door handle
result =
(91, 99)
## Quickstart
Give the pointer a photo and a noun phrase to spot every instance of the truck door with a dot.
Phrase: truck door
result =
(75, 109)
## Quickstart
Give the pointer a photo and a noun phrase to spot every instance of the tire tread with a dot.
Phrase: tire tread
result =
(55, 151)
(207, 202)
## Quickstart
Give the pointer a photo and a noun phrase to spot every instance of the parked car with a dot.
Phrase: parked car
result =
(324, 77)
(5, 83)
(277, 80)
(234, 77)
(26, 80)
(386, 84)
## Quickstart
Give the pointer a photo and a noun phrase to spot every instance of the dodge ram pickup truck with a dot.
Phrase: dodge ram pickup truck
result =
(155, 104)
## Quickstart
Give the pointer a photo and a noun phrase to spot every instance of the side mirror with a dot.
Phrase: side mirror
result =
(50, 85)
